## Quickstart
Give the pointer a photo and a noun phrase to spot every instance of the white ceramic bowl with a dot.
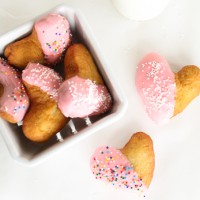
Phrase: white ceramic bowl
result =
(29, 153)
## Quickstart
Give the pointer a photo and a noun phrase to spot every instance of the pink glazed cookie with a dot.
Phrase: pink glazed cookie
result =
(83, 93)
(45, 45)
(53, 33)
(80, 97)
(14, 100)
(43, 119)
(130, 168)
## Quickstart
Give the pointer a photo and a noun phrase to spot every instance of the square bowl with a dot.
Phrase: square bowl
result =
(29, 153)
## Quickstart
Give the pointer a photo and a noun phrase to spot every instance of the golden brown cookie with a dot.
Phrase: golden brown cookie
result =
(44, 119)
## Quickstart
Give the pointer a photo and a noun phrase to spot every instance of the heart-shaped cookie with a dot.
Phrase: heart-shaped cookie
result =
(83, 93)
(49, 39)
(129, 168)
(43, 119)
(164, 93)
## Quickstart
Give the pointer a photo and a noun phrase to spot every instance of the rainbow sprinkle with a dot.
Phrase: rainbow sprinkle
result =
(111, 166)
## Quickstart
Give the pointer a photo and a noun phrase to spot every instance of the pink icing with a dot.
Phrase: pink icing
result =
(111, 166)
(14, 100)
(155, 83)
(43, 77)
(78, 97)
(54, 35)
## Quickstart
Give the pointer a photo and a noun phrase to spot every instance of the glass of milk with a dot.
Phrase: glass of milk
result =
(140, 9)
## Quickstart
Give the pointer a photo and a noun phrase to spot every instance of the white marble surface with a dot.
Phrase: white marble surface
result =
(175, 35)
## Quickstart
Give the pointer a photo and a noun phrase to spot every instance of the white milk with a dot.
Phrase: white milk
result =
(140, 9)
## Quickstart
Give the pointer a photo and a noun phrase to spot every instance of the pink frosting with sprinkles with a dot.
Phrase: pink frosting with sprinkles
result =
(155, 83)
(14, 100)
(111, 166)
(53, 33)
(43, 77)
(78, 97)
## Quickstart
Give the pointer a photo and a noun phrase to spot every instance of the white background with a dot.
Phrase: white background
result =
(175, 34)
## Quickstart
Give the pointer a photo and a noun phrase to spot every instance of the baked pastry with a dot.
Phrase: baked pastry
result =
(130, 168)
(83, 93)
(45, 45)
(164, 93)
(44, 119)
(14, 100)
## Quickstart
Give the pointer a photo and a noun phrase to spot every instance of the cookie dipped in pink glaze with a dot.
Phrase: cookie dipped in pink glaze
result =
(53, 32)
(43, 119)
(155, 83)
(78, 97)
(14, 100)
(111, 166)
(43, 77)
